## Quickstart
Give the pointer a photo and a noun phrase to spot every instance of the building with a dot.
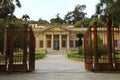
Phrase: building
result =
(56, 37)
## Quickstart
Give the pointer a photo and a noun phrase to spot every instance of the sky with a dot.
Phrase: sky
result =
(47, 9)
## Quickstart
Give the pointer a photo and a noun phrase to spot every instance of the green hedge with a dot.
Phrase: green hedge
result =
(75, 56)
(39, 56)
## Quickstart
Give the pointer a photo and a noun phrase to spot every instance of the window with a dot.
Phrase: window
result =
(63, 43)
(49, 43)
(41, 43)
(71, 43)
(76, 43)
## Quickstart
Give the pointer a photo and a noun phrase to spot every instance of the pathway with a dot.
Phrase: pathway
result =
(58, 67)
(58, 63)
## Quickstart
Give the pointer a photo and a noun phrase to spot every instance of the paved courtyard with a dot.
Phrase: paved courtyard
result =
(58, 67)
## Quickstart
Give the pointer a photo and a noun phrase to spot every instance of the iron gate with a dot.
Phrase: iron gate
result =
(102, 48)
(19, 52)
(88, 50)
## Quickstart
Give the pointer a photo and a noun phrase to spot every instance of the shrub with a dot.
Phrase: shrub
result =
(39, 56)
(81, 50)
(75, 56)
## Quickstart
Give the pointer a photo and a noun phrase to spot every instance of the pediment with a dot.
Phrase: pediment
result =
(56, 29)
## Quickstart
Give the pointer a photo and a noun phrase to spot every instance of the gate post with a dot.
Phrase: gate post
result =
(25, 44)
(109, 47)
(96, 63)
(95, 44)
(109, 43)
(32, 51)
(11, 47)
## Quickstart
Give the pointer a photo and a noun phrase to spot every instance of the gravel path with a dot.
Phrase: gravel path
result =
(58, 67)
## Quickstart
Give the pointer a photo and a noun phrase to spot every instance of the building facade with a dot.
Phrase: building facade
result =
(56, 37)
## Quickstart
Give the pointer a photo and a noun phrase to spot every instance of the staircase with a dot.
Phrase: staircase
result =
(56, 52)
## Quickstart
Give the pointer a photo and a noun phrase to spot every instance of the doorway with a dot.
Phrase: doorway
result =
(56, 44)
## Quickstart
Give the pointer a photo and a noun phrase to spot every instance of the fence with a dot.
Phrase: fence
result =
(17, 49)
(102, 48)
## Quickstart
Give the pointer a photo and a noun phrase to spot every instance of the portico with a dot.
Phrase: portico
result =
(54, 41)
(56, 38)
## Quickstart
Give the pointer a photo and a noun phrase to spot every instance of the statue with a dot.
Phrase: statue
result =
(25, 18)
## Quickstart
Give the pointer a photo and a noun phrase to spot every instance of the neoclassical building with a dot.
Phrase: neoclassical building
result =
(56, 37)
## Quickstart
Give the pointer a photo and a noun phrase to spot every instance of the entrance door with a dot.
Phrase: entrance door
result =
(56, 45)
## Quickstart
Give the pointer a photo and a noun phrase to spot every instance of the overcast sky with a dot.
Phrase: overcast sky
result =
(47, 9)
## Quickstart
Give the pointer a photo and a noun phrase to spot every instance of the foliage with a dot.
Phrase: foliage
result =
(75, 56)
(115, 12)
(109, 10)
(1, 23)
(18, 38)
(79, 35)
(19, 35)
(68, 18)
(33, 22)
(102, 50)
(41, 21)
(39, 56)
(57, 20)
(99, 23)
(81, 50)
(1, 38)
(84, 23)
(79, 24)
(8, 7)
(76, 15)
(100, 41)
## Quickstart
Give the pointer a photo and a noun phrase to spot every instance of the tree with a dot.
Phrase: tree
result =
(57, 20)
(80, 48)
(76, 15)
(79, 35)
(7, 7)
(68, 18)
(115, 12)
(41, 21)
(82, 23)
(109, 10)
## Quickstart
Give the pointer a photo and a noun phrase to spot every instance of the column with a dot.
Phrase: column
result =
(68, 42)
(44, 41)
(52, 41)
(60, 42)
(37, 43)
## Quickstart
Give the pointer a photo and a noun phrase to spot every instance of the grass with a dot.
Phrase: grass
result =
(75, 56)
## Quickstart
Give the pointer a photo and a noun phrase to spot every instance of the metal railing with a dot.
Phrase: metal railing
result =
(20, 49)
(102, 48)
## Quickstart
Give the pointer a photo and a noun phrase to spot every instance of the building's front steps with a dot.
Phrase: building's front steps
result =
(56, 52)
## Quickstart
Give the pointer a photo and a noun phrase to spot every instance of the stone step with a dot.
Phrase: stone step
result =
(56, 52)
